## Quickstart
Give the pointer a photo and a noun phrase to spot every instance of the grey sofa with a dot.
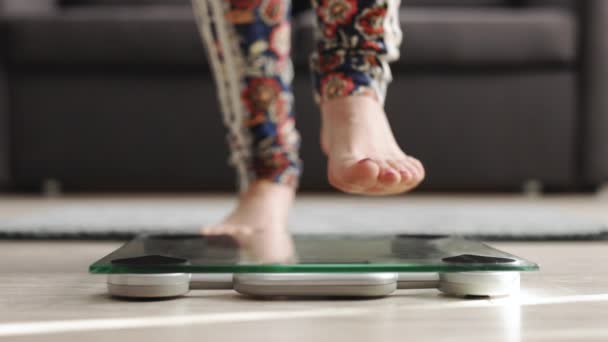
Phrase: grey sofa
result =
(117, 95)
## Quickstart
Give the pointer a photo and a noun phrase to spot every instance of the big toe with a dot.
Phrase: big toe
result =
(354, 176)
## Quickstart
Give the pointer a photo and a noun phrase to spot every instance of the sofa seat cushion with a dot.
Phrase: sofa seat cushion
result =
(141, 35)
(67, 3)
(167, 35)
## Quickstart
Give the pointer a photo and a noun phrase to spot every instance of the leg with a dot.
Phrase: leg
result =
(356, 40)
(248, 44)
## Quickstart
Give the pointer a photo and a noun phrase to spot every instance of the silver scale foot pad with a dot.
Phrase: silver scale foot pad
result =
(492, 284)
(149, 285)
(313, 284)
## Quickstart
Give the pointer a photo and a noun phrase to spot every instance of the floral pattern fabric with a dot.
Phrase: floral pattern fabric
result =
(356, 39)
(249, 44)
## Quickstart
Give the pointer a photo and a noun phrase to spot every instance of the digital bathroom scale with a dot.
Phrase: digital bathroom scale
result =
(162, 266)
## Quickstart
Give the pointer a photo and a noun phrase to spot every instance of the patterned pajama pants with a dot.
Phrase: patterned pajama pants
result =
(249, 44)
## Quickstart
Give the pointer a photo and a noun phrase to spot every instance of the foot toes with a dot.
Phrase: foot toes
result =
(209, 230)
(401, 167)
(419, 167)
(359, 175)
(389, 176)
(377, 177)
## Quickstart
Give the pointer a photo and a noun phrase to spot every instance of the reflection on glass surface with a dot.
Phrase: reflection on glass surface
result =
(267, 247)
(246, 247)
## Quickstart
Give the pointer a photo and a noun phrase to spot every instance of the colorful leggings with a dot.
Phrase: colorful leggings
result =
(249, 43)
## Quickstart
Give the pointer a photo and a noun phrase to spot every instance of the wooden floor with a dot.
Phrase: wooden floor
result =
(46, 295)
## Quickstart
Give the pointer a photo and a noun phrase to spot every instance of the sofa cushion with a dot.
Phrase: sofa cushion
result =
(4, 129)
(122, 2)
(150, 35)
(552, 3)
(158, 35)
(476, 36)
(27, 6)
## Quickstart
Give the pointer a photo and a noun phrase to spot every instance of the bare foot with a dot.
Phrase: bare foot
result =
(259, 222)
(363, 155)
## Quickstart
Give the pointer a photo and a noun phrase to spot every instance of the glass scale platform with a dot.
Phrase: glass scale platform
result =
(194, 253)
(263, 265)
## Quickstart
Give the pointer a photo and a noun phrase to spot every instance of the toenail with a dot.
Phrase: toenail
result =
(390, 172)
(364, 160)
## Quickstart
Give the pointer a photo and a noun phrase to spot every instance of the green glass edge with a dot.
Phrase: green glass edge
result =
(312, 268)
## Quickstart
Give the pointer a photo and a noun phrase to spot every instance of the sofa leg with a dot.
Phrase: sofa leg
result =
(533, 188)
(602, 190)
(51, 187)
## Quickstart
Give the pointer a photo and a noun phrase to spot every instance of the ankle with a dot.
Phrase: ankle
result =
(265, 189)
(349, 105)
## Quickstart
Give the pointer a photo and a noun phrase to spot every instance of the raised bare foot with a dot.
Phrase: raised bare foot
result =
(363, 155)
(259, 222)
